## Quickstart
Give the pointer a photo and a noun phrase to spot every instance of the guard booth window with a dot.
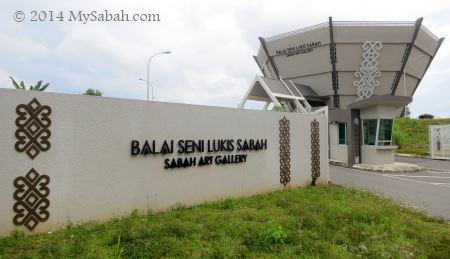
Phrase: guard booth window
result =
(370, 131)
(342, 133)
(385, 132)
(377, 132)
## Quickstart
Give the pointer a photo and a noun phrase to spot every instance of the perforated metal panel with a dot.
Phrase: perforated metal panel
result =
(439, 139)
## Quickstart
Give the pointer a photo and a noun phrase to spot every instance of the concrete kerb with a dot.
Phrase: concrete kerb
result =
(396, 167)
(411, 155)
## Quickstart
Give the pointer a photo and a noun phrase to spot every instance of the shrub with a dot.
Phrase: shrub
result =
(92, 92)
(273, 233)
(399, 138)
(281, 108)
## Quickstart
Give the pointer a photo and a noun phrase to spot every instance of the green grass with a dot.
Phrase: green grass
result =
(413, 134)
(325, 221)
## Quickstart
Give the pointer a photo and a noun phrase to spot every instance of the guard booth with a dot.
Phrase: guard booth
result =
(439, 139)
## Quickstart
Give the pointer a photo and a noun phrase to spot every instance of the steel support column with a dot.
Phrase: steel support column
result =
(334, 74)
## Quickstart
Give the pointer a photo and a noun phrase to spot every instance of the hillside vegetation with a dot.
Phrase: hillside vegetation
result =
(327, 221)
(411, 135)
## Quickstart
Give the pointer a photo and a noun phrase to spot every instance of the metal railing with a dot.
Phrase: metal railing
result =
(293, 33)
(347, 23)
(373, 23)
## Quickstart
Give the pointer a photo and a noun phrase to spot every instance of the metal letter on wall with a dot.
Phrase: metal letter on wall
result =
(31, 199)
(315, 151)
(33, 124)
(368, 71)
(285, 151)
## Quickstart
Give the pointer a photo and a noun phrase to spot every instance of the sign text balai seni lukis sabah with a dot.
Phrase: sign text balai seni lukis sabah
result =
(299, 49)
(211, 147)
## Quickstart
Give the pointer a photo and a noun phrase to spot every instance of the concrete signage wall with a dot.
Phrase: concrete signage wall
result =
(78, 158)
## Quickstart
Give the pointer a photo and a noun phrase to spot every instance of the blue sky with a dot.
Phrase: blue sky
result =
(212, 44)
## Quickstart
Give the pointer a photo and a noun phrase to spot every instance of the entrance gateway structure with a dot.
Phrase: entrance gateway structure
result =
(365, 72)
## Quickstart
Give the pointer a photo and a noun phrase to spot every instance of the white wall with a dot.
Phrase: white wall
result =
(337, 152)
(314, 62)
(349, 56)
(321, 83)
(374, 155)
(319, 34)
(93, 175)
(425, 42)
(379, 112)
(385, 34)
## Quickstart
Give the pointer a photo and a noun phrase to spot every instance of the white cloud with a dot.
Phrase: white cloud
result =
(21, 46)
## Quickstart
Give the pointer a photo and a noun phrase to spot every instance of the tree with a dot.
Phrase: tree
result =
(281, 108)
(37, 87)
(93, 92)
(426, 116)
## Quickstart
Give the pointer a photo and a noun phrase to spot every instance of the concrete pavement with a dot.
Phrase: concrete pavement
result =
(428, 190)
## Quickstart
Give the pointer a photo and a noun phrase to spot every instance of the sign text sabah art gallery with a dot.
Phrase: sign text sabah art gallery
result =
(79, 158)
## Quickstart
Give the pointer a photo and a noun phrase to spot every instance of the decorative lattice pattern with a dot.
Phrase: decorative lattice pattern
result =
(285, 151)
(31, 199)
(438, 139)
(315, 151)
(368, 71)
(33, 124)
(357, 140)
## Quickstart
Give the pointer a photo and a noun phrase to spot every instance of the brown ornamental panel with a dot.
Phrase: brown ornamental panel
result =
(31, 199)
(315, 151)
(33, 124)
(357, 140)
(285, 151)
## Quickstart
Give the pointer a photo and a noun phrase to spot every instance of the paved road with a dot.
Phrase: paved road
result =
(425, 162)
(428, 190)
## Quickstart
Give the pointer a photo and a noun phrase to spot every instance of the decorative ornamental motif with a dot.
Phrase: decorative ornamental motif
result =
(32, 132)
(368, 71)
(31, 199)
(438, 139)
(285, 151)
(315, 151)
(357, 140)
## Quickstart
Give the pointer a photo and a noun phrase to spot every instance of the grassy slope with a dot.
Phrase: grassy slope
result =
(326, 221)
(415, 134)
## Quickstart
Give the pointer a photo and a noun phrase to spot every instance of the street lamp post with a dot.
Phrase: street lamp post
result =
(148, 72)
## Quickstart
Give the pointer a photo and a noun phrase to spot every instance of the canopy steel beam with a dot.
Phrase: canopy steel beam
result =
(264, 46)
(406, 56)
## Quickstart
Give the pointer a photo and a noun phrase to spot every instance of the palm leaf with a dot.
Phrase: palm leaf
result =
(44, 87)
(14, 83)
(38, 85)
